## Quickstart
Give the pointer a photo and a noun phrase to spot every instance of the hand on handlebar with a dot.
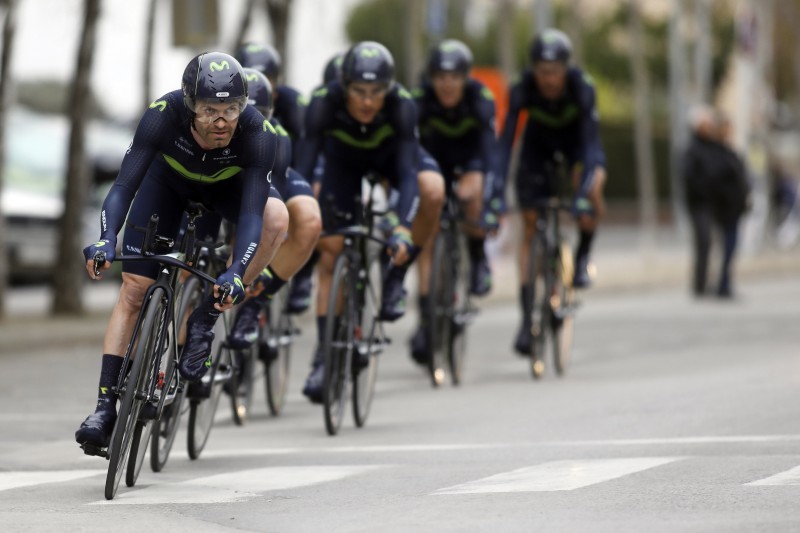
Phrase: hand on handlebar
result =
(399, 244)
(99, 257)
(228, 290)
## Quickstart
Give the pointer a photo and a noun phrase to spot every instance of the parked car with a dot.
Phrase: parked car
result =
(34, 182)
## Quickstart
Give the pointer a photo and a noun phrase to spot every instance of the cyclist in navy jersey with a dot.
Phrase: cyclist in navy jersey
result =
(457, 127)
(562, 118)
(200, 143)
(367, 123)
(288, 108)
(305, 222)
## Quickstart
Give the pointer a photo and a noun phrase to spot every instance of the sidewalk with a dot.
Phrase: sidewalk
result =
(622, 263)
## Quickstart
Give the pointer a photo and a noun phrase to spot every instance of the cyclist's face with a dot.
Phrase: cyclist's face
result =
(551, 77)
(449, 87)
(215, 123)
(365, 100)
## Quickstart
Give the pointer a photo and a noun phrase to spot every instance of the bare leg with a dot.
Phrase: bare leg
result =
(273, 232)
(305, 225)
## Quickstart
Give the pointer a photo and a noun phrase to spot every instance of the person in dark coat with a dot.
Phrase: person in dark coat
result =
(716, 194)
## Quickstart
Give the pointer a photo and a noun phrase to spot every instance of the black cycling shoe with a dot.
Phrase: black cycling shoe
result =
(480, 277)
(196, 356)
(245, 329)
(582, 280)
(315, 383)
(421, 346)
(97, 428)
(299, 294)
(524, 341)
(393, 305)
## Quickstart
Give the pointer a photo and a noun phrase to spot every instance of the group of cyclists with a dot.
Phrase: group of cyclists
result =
(262, 157)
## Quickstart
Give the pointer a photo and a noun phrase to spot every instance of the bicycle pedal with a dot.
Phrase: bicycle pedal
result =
(92, 449)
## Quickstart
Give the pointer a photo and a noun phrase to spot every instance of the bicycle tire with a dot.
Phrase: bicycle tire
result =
(276, 350)
(241, 385)
(537, 266)
(337, 347)
(440, 312)
(365, 365)
(202, 411)
(122, 436)
(562, 315)
(165, 429)
(142, 434)
(460, 285)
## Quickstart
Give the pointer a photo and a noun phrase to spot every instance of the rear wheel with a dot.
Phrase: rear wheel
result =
(562, 305)
(538, 304)
(275, 349)
(438, 319)
(337, 346)
(369, 345)
(124, 430)
(460, 284)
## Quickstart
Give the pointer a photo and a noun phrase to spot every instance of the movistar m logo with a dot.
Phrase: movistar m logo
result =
(456, 130)
(222, 175)
(252, 77)
(268, 127)
(567, 116)
(160, 104)
(448, 47)
(373, 141)
(220, 66)
(103, 390)
(370, 52)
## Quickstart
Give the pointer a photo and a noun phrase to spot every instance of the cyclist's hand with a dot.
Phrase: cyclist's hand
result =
(107, 247)
(236, 284)
(399, 244)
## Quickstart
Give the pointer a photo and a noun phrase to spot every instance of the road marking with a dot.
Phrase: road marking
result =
(15, 480)
(558, 475)
(235, 486)
(254, 452)
(789, 477)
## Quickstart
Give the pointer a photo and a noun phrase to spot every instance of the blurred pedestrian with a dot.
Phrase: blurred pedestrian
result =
(716, 194)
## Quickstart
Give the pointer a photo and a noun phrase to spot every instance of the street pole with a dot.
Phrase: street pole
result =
(702, 51)
(678, 116)
(543, 15)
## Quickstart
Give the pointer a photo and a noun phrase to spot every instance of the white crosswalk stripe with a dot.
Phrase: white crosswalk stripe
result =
(15, 480)
(558, 475)
(235, 486)
(788, 477)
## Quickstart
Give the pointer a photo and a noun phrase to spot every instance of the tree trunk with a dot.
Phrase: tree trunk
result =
(645, 168)
(244, 25)
(69, 275)
(575, 29)
(543, 15)
(413, 44)
(147, 78)
(505, 38)
(702, 51)
(679, 133)
(5, 85)
(279, 13)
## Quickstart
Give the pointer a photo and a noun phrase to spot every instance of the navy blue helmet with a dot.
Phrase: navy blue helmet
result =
(214, 77)
(450, 56)
(368, 61)
(262, 57)
(551, 45)
(260, 92)
(333, 69)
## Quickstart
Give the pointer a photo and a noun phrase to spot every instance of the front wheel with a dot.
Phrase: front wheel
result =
(337, 346)
(562, 305)
(368, 345)
(275, 348)
(538, 304)
(438, 319)
(462, 307)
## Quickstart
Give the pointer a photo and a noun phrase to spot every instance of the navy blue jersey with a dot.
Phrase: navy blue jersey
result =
(289, 110)
(164, 132)
(364, 148)
(459, 136)
(568, 125)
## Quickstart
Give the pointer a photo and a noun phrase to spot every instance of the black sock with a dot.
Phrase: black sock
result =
(322, 322)
(109, 375)
(584, 244)
(424, 303)
(525, 302)
(308, 268)
(273, 285)
(476, 248)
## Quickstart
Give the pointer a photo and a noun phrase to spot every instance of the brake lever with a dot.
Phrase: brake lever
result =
(99, 262)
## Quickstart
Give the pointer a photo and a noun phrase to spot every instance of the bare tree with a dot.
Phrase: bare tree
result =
(5, 86)
(645, 167)
(147, 78)
(70, 273)
(279, 12)
(244, 24)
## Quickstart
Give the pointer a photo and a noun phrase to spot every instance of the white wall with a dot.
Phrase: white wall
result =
(48, 31)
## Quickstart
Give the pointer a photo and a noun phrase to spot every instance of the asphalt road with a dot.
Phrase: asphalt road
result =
(676, 415)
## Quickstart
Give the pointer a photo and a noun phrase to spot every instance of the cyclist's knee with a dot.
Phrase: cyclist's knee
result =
(470, 186)
(305, 220)
(133, 289)
(431, 188)
(276, 220)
